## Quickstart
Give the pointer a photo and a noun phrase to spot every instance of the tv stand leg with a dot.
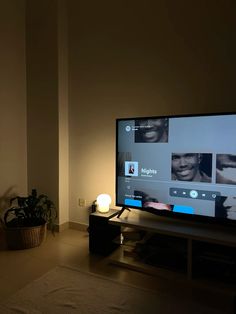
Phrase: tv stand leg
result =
(123, 209)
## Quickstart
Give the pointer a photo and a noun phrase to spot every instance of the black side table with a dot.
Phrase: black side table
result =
(102, 234)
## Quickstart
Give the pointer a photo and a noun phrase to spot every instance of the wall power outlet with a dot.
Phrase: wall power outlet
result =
(82, 202)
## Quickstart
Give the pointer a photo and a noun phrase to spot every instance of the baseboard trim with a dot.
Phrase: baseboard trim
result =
(63, 226)
(71, 225)
(78, 226)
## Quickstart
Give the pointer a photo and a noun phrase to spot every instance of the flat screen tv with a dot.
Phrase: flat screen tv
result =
(178, 166)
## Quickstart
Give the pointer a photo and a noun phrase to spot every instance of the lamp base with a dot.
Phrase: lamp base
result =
(102, 209)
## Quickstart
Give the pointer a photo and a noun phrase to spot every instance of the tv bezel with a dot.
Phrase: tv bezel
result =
(166, 213)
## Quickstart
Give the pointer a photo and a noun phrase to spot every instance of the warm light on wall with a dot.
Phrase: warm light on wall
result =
(103, 203)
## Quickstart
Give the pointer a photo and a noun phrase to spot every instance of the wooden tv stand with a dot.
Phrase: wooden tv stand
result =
(205, 244)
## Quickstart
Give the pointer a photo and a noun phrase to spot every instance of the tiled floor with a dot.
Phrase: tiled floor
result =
(70, 247)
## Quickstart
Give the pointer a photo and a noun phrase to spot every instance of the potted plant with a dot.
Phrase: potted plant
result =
(26, 220)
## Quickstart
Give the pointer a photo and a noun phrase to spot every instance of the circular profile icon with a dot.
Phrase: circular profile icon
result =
(127, 128)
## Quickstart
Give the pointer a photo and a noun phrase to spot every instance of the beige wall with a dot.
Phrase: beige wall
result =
(33, 95)
(13, 139)
(34, 100)
(42, 96)
(126, 58)
(63, 112)
(47, 100)
(134, 58)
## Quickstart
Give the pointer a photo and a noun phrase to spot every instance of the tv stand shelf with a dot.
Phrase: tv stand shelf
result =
(204, 243)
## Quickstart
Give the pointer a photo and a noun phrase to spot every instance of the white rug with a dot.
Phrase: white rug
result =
(67, 290)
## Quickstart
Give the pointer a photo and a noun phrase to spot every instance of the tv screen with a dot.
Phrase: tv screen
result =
(178, 166)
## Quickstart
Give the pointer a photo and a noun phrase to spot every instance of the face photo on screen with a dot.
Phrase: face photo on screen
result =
(131, 168)
(226, 169)
(151, 130)
(225, 207)
(191, 167)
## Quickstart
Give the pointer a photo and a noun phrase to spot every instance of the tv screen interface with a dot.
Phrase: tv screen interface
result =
(184, 165)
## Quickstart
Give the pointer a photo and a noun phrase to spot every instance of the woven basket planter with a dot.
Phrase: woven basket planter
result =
(25, 237)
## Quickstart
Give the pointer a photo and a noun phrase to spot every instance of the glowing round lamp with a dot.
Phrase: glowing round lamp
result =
(103, 202)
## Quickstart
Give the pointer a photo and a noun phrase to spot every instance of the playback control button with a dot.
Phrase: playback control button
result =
(195, 194)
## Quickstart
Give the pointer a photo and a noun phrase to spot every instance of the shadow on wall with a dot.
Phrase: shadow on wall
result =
(4, 204)
(5, 199)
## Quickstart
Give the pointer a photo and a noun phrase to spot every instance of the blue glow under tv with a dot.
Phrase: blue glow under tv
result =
(178, 166)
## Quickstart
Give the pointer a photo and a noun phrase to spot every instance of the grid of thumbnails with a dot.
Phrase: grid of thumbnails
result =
(216, 169)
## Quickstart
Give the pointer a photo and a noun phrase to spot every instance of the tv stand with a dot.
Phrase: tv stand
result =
(205, 248)
(122, 210)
